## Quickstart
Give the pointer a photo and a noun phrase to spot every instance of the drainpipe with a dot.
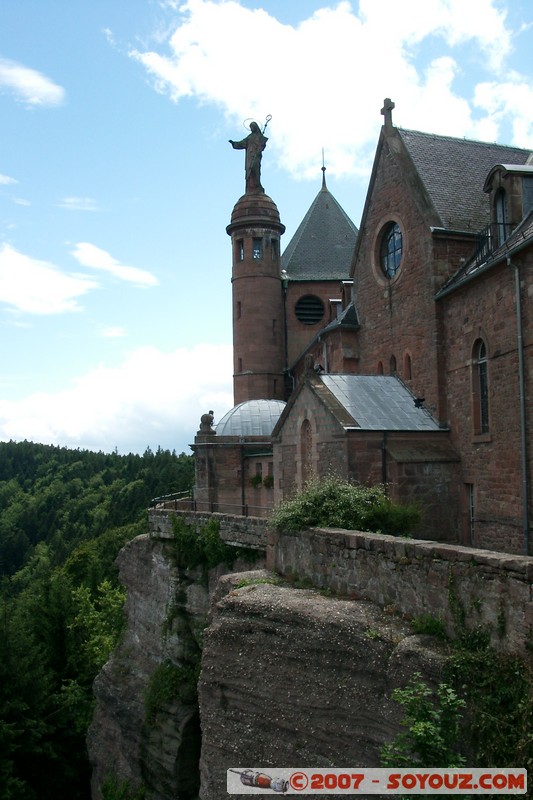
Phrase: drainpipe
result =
(522, 403)
(284, 289)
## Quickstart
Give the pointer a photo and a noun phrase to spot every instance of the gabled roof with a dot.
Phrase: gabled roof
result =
(322, 247)
(365, 402)
(379, 403)
(454, 171)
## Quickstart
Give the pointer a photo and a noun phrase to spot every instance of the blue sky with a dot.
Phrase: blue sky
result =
(117, 180)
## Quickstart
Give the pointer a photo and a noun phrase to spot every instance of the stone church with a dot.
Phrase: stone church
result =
(399, 353)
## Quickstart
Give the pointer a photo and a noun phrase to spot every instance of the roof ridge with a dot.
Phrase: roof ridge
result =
(464, 139)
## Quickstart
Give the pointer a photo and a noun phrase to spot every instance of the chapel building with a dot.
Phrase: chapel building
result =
(399, 354)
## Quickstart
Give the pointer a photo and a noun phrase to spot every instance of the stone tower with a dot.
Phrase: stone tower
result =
(259, 336)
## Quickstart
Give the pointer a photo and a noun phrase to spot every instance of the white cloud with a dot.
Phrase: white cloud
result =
(509, 101)
(6, 180)
(28, 85)
(79, 204)
(113, 332)
(37, 287)
(243, 61)
(20, 201)
(89, 255)
(153, 398)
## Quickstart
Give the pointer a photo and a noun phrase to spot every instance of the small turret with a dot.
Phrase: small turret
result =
(258, 308)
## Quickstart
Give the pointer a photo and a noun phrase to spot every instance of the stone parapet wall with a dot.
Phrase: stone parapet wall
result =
(242, 531)
(459, 585)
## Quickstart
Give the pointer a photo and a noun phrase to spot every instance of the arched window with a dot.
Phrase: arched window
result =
(480, 381)
(407, 367)
(392, 366)
(380, 367)
(306, 444)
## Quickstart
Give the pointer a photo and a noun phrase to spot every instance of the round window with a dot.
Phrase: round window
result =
(309, 309)
(391, 247)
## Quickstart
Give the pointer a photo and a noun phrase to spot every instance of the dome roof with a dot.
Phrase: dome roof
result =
(252, 418)
(255, 208)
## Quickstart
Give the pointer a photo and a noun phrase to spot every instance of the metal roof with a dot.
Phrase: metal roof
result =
(454, 171)
(322, 247)
(251, 418)
(379, 402)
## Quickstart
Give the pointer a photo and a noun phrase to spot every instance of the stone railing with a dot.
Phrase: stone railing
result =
(459, 585)
(235, 530)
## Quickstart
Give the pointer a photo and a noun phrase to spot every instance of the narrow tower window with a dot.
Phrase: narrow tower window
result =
(274, 249)
(257, 249)
(240, 249)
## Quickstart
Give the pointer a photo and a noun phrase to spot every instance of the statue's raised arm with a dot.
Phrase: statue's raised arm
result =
(254, 144)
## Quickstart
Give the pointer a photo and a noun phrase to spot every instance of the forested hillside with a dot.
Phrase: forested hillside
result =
(64, 515)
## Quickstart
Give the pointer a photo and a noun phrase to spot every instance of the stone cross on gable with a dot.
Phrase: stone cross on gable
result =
(388, 105)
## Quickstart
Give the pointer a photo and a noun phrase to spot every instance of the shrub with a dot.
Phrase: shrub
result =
(335, 503)
(431, 723)
(433, 626)
(168, 683)
(113, 789)
(192, 548)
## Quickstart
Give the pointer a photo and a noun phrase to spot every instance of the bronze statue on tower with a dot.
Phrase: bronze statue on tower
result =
(254, 144)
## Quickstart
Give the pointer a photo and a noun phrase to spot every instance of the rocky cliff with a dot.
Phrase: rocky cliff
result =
(289, 677)
(145, 729)
(292, 678)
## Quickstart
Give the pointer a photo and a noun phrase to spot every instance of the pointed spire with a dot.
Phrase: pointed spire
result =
(324, 187)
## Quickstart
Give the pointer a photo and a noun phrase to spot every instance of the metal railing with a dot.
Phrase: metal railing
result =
(174, 497)
(237, 509)
(490, 238)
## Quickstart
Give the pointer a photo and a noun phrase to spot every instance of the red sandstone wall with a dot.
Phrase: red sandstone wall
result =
(485, 309)
(329, 449)
(398, 317)
(298, 333)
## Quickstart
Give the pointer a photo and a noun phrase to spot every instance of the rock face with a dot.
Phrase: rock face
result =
(165, 614)
(291, 678)
(145, 728)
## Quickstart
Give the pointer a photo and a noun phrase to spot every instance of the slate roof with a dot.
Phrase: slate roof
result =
(348, 320)
(379, 403)
(251, 418)
(322, 247)
(454, 171)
